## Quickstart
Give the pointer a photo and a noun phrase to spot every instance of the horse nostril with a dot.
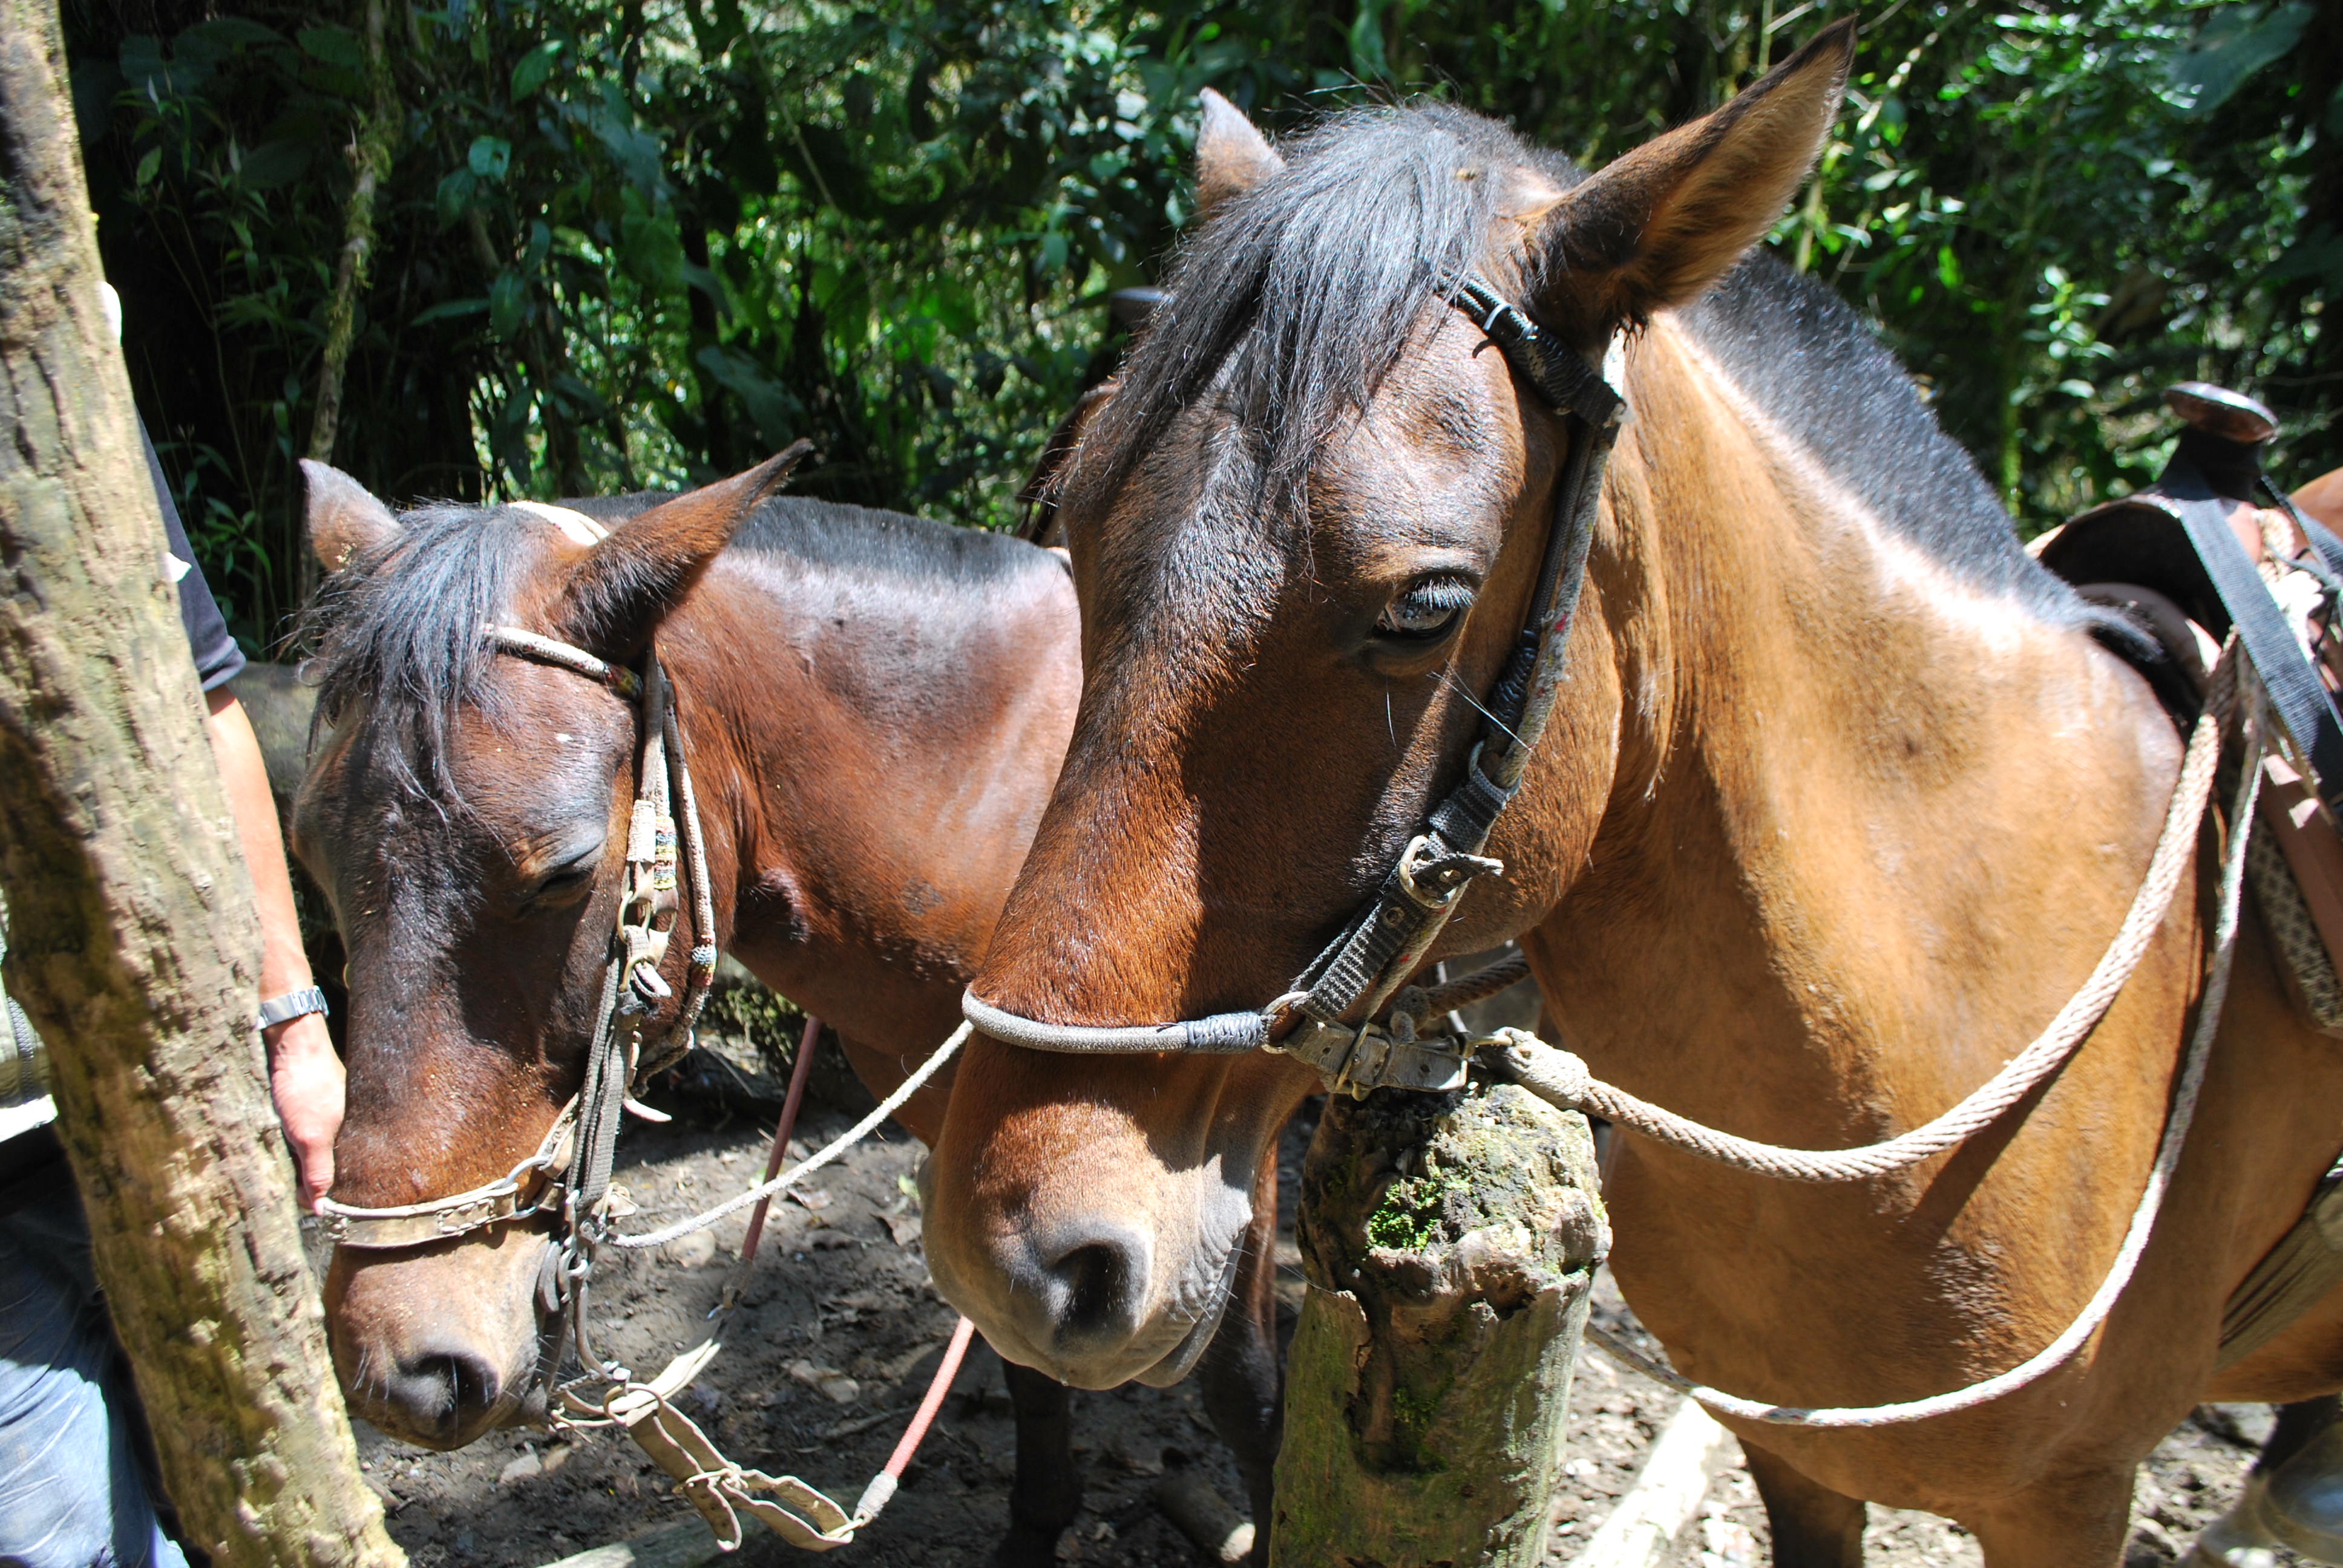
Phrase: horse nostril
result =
(1093, 1277)
(444, 1392)
(1099, 1284)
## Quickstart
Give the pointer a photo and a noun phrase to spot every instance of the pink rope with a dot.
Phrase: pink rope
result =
(800, 1070)
(937, 1386)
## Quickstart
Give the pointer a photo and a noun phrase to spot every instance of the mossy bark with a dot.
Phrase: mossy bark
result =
(134, 943)
(1449, 1244)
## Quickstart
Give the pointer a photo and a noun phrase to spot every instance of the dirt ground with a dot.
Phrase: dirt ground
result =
(842, 1329)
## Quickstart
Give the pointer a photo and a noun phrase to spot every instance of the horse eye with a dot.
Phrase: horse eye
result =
(1425, 610)
(564, 885)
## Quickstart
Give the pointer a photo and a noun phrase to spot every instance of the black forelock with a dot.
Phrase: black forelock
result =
(1300, 295)
(395, 633)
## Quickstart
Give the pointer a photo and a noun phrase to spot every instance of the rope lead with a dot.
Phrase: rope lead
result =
(2095, 1313)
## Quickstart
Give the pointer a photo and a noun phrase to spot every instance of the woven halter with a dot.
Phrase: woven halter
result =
(1386, 941)
(625, 1052)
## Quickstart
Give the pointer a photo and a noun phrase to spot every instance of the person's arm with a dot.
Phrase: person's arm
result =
(305, 1076)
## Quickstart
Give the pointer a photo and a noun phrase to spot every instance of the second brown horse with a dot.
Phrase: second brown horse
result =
(873, 707)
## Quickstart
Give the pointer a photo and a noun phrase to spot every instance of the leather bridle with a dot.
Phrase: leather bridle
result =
(568, 1175)
(1385, 942)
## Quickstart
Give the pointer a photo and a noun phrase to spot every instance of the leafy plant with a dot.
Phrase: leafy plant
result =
(642, 245)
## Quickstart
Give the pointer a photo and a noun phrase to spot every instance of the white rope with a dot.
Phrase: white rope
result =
(811, 1163)
(2134, 1242)
(1562, 1079)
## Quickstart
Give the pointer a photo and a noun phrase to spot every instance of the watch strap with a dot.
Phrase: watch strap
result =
(293, 1004)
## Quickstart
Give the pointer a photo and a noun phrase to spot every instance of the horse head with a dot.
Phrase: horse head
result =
(1306, 530)
(467, 816)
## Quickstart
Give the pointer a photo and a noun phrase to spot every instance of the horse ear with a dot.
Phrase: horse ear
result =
(628, 583)
(1232, 155)
(343, 518)
(1040, 496)
(1655, 228)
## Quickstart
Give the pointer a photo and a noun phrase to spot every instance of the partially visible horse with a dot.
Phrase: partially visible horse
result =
(1842, 799)
(873, 708)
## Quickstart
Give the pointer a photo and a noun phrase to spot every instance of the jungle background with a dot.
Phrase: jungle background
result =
(609, 245)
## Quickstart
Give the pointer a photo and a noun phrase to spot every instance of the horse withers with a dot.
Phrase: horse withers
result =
(1840, 799)
(873, 706)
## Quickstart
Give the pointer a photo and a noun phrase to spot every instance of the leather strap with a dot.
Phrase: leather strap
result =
(1386, 942)
(2287, 674)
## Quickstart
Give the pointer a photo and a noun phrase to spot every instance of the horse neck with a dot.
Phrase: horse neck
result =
(1873, 823)
(870, 773)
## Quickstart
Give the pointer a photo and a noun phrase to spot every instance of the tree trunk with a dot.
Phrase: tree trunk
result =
(133, 944)
(1449, 1244)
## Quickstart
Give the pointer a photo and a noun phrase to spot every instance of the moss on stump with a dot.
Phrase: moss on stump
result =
(1449, 1244)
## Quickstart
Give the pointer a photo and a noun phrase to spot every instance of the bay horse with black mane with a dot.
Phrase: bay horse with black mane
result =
(1841, 799)
(873, 707)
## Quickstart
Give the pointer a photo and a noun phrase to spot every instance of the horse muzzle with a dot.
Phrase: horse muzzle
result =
(439, 1345)
(1086, 1297)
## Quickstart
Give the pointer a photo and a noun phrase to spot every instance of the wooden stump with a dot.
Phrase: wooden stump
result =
(1450, 1243)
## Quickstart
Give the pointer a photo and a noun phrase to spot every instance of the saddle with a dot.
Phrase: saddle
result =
(2139, 558)
(2210, 548)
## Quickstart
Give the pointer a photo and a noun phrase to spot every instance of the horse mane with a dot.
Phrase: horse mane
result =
(1333, 259)
(396, 634)
(1817, 370)
(1297, 299)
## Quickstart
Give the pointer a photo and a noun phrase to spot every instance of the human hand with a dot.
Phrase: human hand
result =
(305, 1080)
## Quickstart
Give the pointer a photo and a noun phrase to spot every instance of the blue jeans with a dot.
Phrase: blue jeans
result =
(73, 1490)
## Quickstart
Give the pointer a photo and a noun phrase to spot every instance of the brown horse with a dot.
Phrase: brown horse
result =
(1841, 800)
(873, 708)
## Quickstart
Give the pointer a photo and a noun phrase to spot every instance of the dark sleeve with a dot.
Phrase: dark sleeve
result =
(217, 658)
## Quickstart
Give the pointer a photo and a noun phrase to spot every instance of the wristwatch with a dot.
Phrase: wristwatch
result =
(293, 1004)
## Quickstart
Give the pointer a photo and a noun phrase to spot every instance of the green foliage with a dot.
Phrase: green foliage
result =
(643, 245)
(2053, 215)
(739, 1008)
(1408, 1217)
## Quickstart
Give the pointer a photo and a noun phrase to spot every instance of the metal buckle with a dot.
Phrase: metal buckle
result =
(1354, 1061)
(1461, 866)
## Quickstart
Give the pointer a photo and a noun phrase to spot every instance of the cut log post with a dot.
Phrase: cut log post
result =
(134, 943)
(1450, 1243)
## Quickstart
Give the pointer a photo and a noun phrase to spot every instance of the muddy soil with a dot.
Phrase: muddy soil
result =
(842, 1329)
